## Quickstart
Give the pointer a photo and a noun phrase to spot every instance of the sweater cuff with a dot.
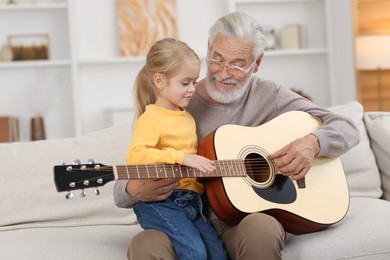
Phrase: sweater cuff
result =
(121, 197)
(179, 157)
(323, 147)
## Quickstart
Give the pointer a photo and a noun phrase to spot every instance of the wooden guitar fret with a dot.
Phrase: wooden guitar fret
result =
(155, 166)
(173, 171)
(147, 171)
(232, 168)
(238, 168)
(218, 166)
(229, 167)
(165, 171)
(181, 173)
(127, 172)
(188, 174)
(137, 171)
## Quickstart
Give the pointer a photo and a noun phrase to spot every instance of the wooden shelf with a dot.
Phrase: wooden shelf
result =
(34, 64)
(117, 60)
(297, 52)
(34, 6)
(273, 1)
(268, 53)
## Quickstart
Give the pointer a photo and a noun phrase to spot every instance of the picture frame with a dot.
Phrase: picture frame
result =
(141, 23)
(29, 46)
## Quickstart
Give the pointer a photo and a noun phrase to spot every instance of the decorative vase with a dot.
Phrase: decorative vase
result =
(37, 129)
(271, 40)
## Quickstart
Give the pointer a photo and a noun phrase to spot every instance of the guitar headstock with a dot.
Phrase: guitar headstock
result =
(79, 176)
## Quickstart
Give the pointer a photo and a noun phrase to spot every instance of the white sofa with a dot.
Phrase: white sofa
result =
(37, 222)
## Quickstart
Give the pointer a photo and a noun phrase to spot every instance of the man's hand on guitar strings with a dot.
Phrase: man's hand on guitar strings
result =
(295, 159)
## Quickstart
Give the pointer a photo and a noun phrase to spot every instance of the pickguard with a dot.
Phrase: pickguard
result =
(282, 191)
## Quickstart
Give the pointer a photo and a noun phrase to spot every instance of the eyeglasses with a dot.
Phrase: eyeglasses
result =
(235, 71)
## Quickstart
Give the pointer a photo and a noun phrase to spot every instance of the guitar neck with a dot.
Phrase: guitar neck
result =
(224, 168)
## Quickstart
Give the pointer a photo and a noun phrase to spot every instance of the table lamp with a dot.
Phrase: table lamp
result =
(373, 53)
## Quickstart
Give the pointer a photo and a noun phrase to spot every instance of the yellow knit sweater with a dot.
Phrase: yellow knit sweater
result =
(163, 136)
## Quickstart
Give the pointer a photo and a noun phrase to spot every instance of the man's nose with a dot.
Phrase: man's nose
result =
(224, 73)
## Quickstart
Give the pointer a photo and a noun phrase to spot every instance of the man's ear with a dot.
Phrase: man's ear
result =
(258, 61)
(158, 80)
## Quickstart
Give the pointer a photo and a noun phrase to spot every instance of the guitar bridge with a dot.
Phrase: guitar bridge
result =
(301, 183)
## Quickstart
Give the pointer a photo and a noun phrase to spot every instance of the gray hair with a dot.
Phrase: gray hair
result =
(242, 26)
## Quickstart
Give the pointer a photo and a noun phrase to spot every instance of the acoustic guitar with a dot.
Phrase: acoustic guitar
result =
(246, 180)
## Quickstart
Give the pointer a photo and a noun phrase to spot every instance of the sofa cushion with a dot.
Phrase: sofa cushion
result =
(359, 163)
(378, 128)
(72, 243)
(362, 234)
(28, 194)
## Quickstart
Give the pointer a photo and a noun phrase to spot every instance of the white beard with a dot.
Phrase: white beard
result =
(226, 97)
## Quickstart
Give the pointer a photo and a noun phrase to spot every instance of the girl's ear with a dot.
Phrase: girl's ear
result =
(159, 81)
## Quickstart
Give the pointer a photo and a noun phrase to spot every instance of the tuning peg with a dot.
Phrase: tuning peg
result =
(76, 162)
(69, 196)
(63, 162)
(91, 161)
(97, 192)
(83, 193)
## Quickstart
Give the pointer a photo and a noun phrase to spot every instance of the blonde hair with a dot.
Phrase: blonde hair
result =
(166, 56)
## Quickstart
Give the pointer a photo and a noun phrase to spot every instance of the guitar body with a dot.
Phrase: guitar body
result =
(319, 200)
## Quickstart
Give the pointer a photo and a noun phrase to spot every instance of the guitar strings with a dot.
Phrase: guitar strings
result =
(255, 165)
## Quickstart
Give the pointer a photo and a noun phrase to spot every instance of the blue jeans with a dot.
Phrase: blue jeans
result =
(181, 218)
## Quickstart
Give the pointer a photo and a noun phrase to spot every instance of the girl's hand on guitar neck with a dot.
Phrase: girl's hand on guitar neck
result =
(198, 162)
(295, 159)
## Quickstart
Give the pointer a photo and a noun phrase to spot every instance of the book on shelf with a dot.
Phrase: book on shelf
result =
(290, 37)
(9, 129)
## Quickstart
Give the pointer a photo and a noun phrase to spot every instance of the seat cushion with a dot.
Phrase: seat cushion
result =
(77, 243)
(362, 234)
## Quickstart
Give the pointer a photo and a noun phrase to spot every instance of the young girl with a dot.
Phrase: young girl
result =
(165, 133)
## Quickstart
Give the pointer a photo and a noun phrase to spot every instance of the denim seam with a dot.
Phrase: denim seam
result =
(173, 229)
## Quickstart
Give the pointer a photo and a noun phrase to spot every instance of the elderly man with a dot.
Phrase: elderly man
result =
(232, 93)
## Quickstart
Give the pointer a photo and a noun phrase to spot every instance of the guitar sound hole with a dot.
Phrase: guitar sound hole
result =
(257, 168)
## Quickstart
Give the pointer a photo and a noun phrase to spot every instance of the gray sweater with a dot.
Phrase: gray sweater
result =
(263, 101)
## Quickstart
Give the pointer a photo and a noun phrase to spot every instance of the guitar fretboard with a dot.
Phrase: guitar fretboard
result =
(224, 168)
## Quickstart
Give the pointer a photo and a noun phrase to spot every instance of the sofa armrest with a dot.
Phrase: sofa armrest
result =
(28, 192)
